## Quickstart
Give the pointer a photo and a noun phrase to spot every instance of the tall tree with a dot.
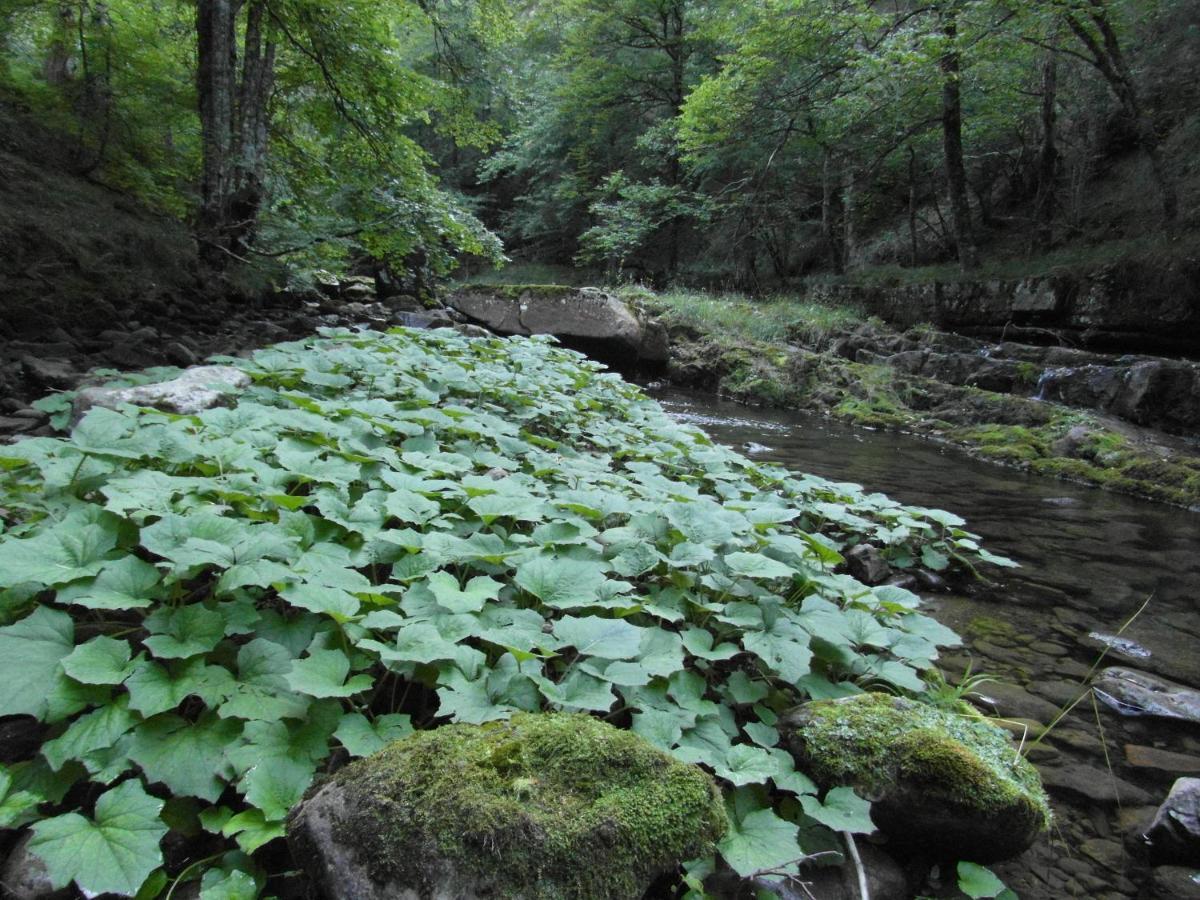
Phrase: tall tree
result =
(950, 63)
(234, 121)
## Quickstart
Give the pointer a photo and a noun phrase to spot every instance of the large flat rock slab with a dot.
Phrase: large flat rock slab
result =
(588, 319)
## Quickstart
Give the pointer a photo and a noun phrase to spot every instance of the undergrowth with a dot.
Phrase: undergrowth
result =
(776, 318)
(390, 532)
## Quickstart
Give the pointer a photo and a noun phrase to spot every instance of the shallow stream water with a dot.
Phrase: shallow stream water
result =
(1089, 561)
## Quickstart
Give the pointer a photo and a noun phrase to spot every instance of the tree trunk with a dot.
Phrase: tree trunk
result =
(233, 125)
(829, 181)
(675, 26)
(849, 233)
(1047, 162)
(912, 208)
(956, 178)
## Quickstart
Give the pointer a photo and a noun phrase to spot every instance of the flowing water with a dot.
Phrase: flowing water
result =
(1090, 560)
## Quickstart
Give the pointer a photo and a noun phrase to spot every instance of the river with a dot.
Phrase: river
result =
(1090, 560)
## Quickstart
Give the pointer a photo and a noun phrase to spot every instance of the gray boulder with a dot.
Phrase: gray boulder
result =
(193, 391)
(588, 319)
(544, 805)
(1174, 834)
(1134, 693)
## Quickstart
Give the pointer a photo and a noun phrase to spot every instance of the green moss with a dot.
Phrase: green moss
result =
(1028, 373)
(545, 806)
(516, 291)
(928, 756)
(873, 740)
(988, 627)
(1006, 443)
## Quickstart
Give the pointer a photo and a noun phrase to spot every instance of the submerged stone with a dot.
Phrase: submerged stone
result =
(550, 805)
(943, 784)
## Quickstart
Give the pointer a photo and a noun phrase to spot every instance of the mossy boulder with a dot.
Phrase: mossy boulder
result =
(549, 805)
(945, 784)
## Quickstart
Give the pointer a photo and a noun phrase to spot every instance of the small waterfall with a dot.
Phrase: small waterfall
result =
(1046, 379)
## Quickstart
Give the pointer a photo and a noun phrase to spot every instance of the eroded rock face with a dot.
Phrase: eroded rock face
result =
(937, 779)
(191, 392)
(1134, 693)
(589, 319)
(545, 805)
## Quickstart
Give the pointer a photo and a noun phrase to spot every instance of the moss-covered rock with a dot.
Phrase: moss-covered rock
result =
(548, 805)
(943, 783)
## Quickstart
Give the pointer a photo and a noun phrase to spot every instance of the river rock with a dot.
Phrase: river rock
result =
(1175, 883)
(1174, 834)
(1013, 702)
(589, 319)
(50, 374)
(561, 802)
(1134, 693)
(1162, 760)
(25, 877)
(867, 564)
(937, 780)
(1092, 784)
(191, 392)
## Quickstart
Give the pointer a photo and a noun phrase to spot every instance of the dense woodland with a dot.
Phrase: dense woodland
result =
(667, 141)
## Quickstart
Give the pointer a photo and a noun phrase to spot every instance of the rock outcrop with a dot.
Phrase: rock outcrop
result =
(590, 320)
(936, 779)
(545, 805)
(1149, 391)
(1122, 305)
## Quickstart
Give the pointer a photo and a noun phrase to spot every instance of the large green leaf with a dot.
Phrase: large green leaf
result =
(841, 810)
(188, 757)
(70, 551)
(760, 841)
(102, 660)
(477, 593)
(183, 631)
(980, 883)
(323, 674)
(562, 582)
(596, 636)
(31, 651)
(362, 736)
(113, 852)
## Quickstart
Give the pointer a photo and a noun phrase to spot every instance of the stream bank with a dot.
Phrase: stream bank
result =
(1048, 410)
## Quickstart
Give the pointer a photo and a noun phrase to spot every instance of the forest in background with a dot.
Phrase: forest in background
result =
(700, 142)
